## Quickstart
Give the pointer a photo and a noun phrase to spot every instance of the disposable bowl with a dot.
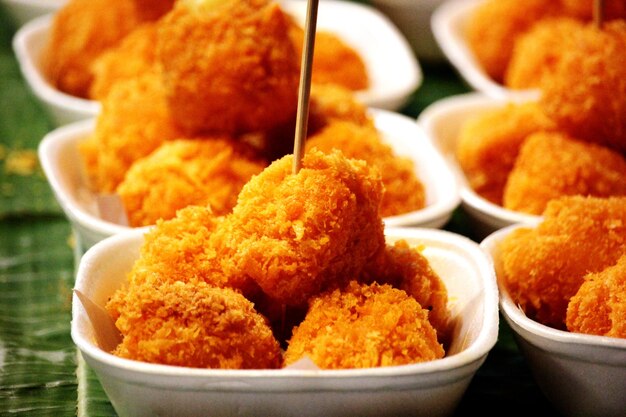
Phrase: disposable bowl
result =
(582, 375)
(63, 166)
(431, 389)
(393, 69)
(441, 123)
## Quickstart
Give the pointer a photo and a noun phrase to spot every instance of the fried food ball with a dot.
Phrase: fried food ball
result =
(81, 31)
(180, 249)
(404, 192)
(495, 26)
(537, 52)
(599, 306)
(133, 56)
(296, 234)
(229, 66)
(195, 325)
(364, 326)
(153, 9)
(586, 93)
(331, 102)
(134, 121)
(545, 266)
(489, 142)
(334, 61)
(404, 267)
(552, 165)
(583, 9)
(206, 171)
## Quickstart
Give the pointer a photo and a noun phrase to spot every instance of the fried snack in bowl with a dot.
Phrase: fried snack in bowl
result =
(442, 124)
(431, 388)
(581, 374)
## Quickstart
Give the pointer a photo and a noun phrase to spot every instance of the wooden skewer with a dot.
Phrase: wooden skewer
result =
(304, 90)
(598, 13)
(107, 335)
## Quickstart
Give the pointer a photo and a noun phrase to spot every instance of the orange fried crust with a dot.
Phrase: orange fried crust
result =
(583, 9)
(297, 234)
(544, 267)
(153, 9)
(404, 192)
(599, 306)
(332, 102)
(405, 268)
(364, 326)
(133, 56)
(495, 26)
(229, 66)
(134, 121)
(81, 31)
(537, 52)
(586, 93)
(489, 142)
(552, 165)
(207, 171)
(195, 325)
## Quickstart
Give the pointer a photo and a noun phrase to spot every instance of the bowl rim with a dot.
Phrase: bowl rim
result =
(474, 353)
(528, 328)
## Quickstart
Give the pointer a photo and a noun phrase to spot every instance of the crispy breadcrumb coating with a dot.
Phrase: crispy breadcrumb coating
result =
(405, 268)
(297, 234)
(229, 66)
(193, 324)
(495, 26)
(599, 306)
(489, 142)
(133, 56)
(153, 9)
(134, 121)
(544, 267)
(586, 93)
(583, 9)
(404, 192)
(552, 165)
(204, 171)
(364, 326)
(81, 31)
(332, 102)
(537, 52)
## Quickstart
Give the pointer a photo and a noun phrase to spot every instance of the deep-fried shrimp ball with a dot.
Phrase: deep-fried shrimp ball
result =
(489, 142)
(133, 56)
(206, 171)
(495, 26)
(586, 93)
(134, 121)
(332, 102)
(404, 192)
(194, 325)
(544, 267)
(364, 326)
(179, 249)
(552, 165)
(599, 306)
(404, 267)
(537, 51)
(583, 9)
(229, 66)
(296, 234)
(81, 31)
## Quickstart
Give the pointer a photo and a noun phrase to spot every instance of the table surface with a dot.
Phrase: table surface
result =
(39, 366)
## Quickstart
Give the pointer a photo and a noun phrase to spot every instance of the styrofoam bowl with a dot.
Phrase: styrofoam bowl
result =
(449, 24)
(392, 67)
(430, 389)
(441, 123)
(23, 11)
(62, 164)
(582, 375)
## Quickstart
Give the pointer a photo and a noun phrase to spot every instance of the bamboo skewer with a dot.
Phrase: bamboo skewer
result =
(598, 13)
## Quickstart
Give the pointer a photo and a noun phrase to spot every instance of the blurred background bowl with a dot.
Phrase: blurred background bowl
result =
(22, 11)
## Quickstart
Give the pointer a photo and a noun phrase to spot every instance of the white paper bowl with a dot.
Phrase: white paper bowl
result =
(448, 24)
(413, 17)
(22, 11)
(582, 375)
(62, 164)
(393, 69)
(442, 122)
(430, 389)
